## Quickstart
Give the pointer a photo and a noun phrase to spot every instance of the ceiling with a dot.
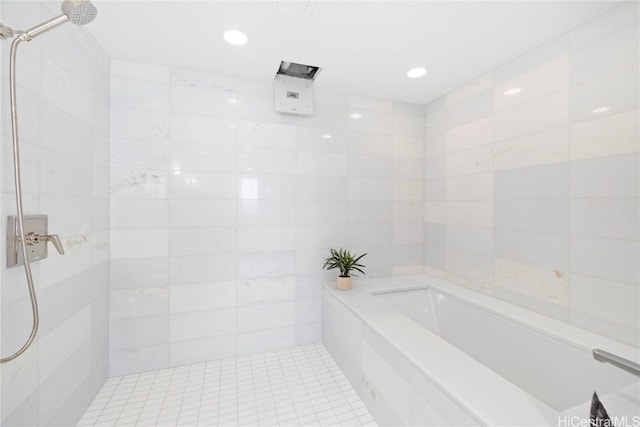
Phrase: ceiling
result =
(364, 47)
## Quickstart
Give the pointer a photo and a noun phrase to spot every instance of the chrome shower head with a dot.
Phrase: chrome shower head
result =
(79, 12)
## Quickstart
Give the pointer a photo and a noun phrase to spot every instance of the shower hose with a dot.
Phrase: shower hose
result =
(18, 187)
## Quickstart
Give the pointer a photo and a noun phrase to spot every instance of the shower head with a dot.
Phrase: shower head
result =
(79, 12)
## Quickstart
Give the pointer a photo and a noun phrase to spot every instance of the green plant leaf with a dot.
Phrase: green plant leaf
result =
(343, 260)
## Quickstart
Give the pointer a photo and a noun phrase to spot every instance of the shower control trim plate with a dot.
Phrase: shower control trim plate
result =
(36, 235)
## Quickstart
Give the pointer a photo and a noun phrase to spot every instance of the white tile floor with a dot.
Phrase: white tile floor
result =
(293, 386)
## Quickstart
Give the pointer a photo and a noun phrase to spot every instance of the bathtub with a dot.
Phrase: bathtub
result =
(422, 351)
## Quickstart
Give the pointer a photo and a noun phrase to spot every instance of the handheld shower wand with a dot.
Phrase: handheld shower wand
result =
(78, 12)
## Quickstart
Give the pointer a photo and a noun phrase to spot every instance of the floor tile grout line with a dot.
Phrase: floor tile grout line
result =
(204, 382)
(288, 388)
(184, 392)
(331, 373)
(146, 397)
(165, 395)
(305, 387)
(109, 400)
(269, 382)
(253, 388)
(219, 392)
(209, 373)
(322, 360)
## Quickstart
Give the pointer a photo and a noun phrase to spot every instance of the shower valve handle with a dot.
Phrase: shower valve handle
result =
(53, 238)
(33, 238)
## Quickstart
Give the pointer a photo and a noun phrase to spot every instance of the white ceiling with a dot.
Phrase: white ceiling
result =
(364, 47)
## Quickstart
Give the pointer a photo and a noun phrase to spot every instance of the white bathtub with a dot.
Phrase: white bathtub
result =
(422, 351)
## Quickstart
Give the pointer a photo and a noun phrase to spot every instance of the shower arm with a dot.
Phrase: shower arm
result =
(29, 34)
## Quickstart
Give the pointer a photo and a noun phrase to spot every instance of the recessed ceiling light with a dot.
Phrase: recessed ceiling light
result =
(235, 37)
(417, 72)
(512, 91)
(326, 136)
(600, 110)
(356, 116)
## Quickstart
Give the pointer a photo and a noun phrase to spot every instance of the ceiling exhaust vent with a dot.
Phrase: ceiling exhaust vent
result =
(302, 8)
(293, 88)
(301, 71)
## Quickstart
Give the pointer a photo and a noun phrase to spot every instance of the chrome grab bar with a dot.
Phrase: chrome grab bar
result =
(617, 361)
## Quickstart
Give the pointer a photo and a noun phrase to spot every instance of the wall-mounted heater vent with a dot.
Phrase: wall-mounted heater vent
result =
(302, 8)
(293, 88)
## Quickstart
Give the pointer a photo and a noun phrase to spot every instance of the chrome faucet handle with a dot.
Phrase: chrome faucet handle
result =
(33, 238)
(53, 238)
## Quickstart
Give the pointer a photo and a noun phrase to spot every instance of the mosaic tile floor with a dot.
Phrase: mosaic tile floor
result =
(293, 387)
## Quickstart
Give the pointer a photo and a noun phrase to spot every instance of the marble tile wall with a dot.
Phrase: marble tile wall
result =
(533, 196)
(222, 210)
(63, 102)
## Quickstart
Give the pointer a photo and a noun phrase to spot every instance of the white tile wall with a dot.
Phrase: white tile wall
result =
(63, 98)
(232, 207)
(534, 197)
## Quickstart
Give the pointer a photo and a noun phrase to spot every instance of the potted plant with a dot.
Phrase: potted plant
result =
(345, 262)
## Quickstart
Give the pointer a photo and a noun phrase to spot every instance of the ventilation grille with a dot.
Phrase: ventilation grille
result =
(302, 8)
(301, 71)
